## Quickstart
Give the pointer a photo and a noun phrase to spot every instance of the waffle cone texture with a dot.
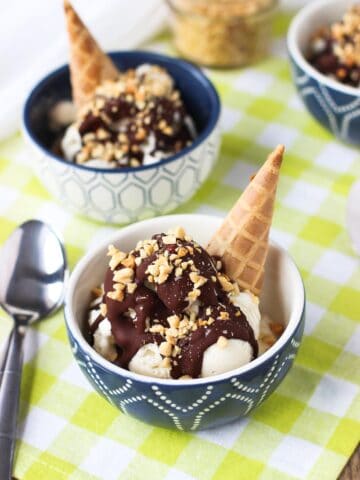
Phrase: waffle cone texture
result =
(242, 241)
(89, 65)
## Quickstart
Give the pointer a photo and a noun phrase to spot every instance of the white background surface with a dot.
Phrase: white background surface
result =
(33, 40)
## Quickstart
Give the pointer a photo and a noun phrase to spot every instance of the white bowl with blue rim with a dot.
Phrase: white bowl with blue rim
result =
(125, 195)
(335, 105)
(198, 403)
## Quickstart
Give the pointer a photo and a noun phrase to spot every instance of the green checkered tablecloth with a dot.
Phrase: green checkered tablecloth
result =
(311, 424)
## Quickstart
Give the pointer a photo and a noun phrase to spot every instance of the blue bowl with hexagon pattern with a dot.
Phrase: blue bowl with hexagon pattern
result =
(125, 195)
(198, 403)
(334, 105)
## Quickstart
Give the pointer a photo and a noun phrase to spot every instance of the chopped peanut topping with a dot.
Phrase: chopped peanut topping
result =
(222, 342)
(176, 350)
(276, 328)
(157, 329)
(149, 249)
(165, 349)
(125, 275)
(224, 316)
(172, 332)
(119, 296)
(268, 340)
(159, 270)
(178, 272)
(182, 252)
(97, 292)
(197, 279)
(193, 295)
(169, 239)
(131, 287)
(174, 321)
(226, 285)
(129, 262)
(116, 257)
(166, 362)
(179, 232)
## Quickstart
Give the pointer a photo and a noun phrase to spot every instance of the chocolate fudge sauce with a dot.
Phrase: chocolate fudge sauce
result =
(153, 303)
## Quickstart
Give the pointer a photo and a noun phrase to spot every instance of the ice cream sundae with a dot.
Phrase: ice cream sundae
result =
(335, 49)
(171, 308)
(123, 118)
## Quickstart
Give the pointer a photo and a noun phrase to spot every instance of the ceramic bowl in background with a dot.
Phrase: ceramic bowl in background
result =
(334, 105)
(124, 195)
(197, 403)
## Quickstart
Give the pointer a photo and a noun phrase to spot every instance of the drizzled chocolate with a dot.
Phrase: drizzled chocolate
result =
(139, 117)
(169, 291)
(327, 63)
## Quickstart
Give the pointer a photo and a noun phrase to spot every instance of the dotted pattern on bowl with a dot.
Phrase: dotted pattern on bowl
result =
(190, 407)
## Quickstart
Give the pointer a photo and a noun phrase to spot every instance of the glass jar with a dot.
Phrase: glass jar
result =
(222, 33)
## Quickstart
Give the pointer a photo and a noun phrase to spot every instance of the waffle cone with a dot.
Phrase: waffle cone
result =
(89, 65)
(242, 240)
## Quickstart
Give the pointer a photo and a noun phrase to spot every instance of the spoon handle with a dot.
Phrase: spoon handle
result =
(9, 401)
(4, 355)
(3, 358)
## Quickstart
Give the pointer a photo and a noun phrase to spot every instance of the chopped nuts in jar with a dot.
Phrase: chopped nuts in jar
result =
(222, 33)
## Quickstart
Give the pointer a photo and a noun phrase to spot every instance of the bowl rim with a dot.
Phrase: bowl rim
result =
(293, 47)
(151, 57)
(295, 318)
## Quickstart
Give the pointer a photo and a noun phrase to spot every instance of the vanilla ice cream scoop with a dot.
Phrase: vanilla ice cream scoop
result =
(226, 355)
(62, 114)
(249, 305)
(104, 341)
(149, 362)
(71, 142)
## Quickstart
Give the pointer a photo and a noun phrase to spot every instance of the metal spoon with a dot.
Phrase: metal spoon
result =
(33, 270)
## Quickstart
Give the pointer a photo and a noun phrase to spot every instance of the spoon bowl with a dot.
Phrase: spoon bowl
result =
(33, 272)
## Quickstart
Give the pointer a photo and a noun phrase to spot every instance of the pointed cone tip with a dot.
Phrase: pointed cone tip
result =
(276, 156)
(220, 244)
